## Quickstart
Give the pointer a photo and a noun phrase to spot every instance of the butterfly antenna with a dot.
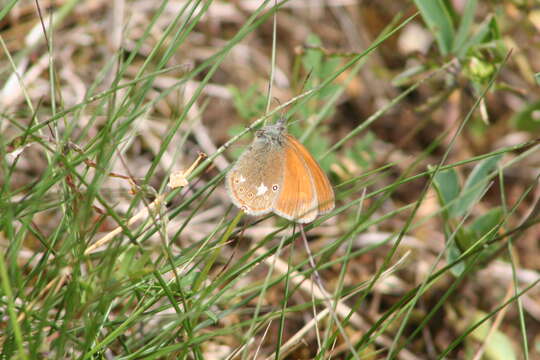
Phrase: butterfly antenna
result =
(282, 119)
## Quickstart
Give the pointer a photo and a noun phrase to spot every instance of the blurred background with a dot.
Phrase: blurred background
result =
(424, 114)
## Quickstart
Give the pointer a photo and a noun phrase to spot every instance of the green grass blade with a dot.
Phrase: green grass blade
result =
(465, 27)
(437, 17)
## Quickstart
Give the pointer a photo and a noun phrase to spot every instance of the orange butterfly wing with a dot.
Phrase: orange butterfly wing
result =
(297, 200)
(325, 193)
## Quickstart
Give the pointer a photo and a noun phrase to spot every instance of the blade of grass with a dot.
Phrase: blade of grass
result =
(439, 21)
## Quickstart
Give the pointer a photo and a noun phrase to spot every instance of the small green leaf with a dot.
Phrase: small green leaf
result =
(475, 185)
(446, 184)
(437, 17)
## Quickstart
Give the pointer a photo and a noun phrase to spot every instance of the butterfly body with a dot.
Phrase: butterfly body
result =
(278, 174)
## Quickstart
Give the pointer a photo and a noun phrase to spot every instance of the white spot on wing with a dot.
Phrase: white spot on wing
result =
(242, 179)
(261, 190)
